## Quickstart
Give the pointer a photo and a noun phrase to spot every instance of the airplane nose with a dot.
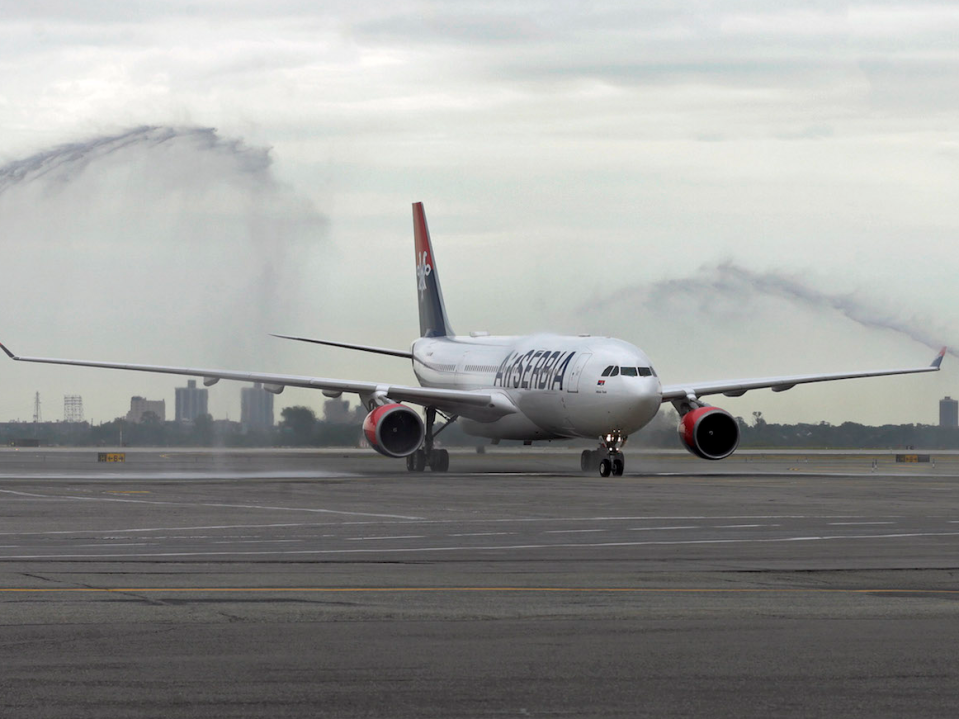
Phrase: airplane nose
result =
(640, 402)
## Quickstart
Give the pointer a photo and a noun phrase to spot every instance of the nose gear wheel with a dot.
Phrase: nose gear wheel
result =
(608, 459)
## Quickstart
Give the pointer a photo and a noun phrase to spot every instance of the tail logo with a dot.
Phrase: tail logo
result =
(423, 270)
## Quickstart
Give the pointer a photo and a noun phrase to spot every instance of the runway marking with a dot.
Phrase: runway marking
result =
(205, 504)
(481, 534)
(185, 476)
(257, 541)
(485, 548)
(647, 518)
(170, 529)
(745, 526)
(517, 474)
(419, 520)
(366, 539)
(399, 590)
(657, 529)
(839, 524)
(572, 531)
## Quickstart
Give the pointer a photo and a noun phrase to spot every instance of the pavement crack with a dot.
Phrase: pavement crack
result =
(30, 575)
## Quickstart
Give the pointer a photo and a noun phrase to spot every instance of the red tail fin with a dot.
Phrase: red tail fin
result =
(433, 321)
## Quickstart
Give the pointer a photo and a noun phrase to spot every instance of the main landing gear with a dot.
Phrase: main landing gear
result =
(438, 460)
(608, 459)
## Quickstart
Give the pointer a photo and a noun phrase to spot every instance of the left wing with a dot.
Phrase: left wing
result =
(490, 402)
(739, 387)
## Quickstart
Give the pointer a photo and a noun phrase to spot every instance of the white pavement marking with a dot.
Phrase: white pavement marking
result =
(518, 474)
(850, 524)
(657, 529)
(212, 474)
(647, 518)
(204, 504)
(572, 531)
(258, 541)
(487, 548)
(414, 520)
(366, 539)
(745, 526)
(176, 529)
(481, 534)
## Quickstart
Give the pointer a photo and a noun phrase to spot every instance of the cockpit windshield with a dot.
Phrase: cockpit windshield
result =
(613, 371)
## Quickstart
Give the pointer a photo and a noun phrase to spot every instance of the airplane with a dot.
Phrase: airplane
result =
(530, 388)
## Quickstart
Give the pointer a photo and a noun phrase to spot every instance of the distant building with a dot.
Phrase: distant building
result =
(337, 411)
(225, 427)
(139, 406)
(72, 408)
(948, 412)
(256, 408)
(191, 401)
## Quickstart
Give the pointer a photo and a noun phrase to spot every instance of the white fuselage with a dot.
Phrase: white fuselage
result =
(557, 383)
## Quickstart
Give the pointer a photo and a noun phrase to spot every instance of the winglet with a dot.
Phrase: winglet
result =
(9, 353)
(935, 363)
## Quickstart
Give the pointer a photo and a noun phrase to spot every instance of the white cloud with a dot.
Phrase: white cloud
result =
(556, 145)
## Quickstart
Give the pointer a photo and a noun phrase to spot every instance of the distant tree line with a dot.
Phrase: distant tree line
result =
(300, 427)
(848, 435)
(149, 432)
(760, 434)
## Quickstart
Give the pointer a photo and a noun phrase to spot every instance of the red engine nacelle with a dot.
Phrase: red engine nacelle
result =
(709, 432)
(394, 430)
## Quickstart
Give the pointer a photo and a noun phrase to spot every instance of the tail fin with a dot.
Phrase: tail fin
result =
(433, 322)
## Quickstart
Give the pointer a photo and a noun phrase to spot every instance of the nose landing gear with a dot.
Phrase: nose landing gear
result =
(608, 459)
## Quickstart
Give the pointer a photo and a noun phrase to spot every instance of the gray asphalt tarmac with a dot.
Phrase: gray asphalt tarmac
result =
(265, 583)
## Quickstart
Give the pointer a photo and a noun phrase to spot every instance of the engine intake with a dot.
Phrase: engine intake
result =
(394, 430)
(709, 432)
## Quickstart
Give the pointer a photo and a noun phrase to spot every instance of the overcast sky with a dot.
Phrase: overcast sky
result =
(235, 168)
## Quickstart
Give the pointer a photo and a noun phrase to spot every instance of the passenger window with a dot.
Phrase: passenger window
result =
(614, 372)
(607, 371)
(645, 372)
(628, 371)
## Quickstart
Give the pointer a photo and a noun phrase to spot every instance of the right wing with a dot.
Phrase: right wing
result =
(488, 402)
(739, 387)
